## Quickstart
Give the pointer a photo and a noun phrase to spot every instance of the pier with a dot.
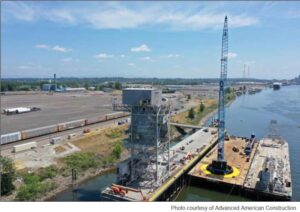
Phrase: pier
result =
(184, 155)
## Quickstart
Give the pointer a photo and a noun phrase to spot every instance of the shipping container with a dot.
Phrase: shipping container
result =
(24, 147)
(11, 137)
(55, 140)
(71, 124)
(95, 120)
(39, 131)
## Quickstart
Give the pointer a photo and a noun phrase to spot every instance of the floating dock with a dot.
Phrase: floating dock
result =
(183, 156)
(236, 158)
(262, 175)
(270, 173)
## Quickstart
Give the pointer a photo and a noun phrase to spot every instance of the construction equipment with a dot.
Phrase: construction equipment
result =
(123, 190)
(219, 166)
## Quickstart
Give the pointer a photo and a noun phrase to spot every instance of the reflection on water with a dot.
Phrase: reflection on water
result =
(89, 190)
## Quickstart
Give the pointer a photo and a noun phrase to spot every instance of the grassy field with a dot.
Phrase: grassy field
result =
(99, 150)
(209, 106)
(103, 142)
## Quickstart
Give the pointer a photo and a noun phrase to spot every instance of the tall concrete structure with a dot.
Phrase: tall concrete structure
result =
(149, 142)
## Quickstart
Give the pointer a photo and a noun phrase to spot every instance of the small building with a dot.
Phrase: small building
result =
(49, 87)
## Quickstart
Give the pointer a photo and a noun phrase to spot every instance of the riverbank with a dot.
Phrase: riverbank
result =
(66, 182)
(208, 116)
(99, 152)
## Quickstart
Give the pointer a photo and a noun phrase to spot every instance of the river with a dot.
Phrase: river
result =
(247, 114)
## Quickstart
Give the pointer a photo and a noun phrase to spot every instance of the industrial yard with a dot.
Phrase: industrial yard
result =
(55, 108)
(159, 138)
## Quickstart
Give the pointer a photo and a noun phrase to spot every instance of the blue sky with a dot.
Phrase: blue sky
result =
(149, 39)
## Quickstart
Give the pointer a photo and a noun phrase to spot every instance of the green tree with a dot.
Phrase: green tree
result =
(228, 90)
(191, 113)
(110, 84)
(7, 175)
(47, 172)
(99, 87)
(188, 96)
(202, 107)
(81, 160)
(86, 85)
(117, 150)
(33, 188)
(118, 85)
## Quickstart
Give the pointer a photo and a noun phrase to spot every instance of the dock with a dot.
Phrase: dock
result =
(236, 158)
(264, 175)
(183, 156)
(270, 173)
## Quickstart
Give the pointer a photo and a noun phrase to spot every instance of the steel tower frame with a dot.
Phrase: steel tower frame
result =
(222, 94)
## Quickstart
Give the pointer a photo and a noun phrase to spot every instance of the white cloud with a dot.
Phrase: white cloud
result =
(61, 15)
(54, 48)
(232, 55)
(132, 64)
(123, 56)
(141, 48)
(103, 56)
(60, 49)
(18, 10)
(121, 16)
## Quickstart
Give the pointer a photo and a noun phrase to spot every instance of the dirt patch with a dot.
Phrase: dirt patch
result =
(59, 149)
(101, 143)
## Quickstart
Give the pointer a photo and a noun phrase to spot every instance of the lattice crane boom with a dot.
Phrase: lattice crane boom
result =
(222, 94)
(219, 165)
